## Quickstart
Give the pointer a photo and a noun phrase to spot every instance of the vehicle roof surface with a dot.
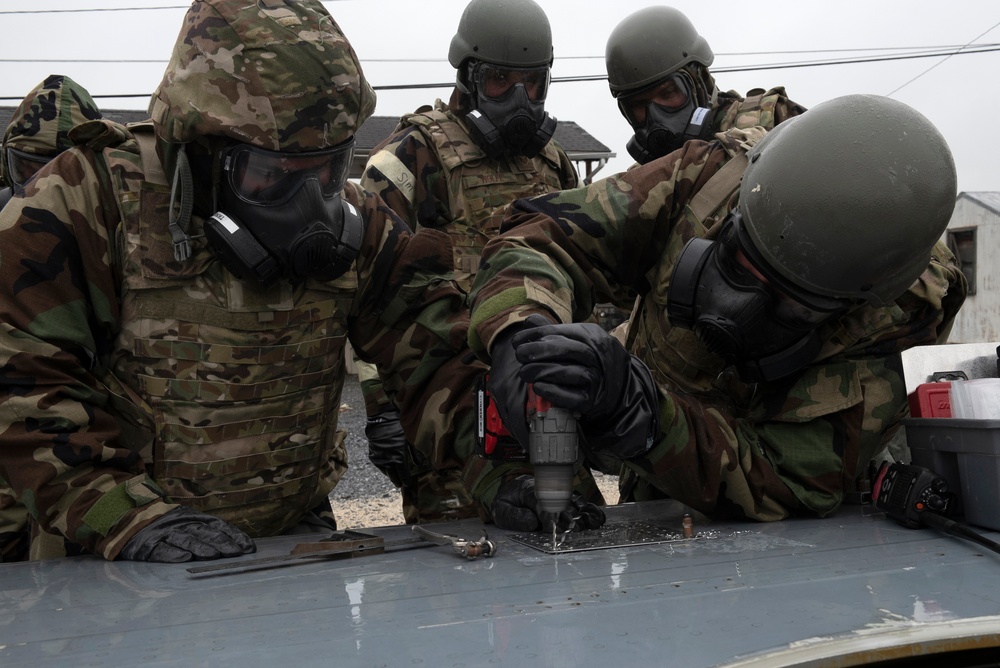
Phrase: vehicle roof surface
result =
(737, 592)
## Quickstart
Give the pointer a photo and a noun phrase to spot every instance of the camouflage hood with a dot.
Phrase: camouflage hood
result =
(42, 121)
(276, 74)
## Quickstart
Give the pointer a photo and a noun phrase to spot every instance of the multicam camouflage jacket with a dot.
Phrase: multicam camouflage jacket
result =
(134, 381)
(763, 451)
(431, 173)
(764, 108)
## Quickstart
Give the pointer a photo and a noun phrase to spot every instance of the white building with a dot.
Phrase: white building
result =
(973, 234)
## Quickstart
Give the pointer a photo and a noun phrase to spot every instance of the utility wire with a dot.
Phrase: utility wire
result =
(963, 51)
(735, 68)
(82, 10)
(931, 50)
(898, 88)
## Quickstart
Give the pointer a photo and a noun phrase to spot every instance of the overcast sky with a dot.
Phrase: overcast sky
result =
(405, 43)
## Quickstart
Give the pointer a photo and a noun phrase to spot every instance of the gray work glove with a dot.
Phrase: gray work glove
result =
(581, 367)
(516, 508)
(187, 535)
(387, 446)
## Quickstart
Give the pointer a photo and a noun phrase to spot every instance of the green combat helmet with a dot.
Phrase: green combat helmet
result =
(39, 129)
(502, 52)
(838, 206)
(514, 33)
(650, 45)
(658, 71)
(847, 200)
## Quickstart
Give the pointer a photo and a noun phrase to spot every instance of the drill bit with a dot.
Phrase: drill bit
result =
(558, 537)
(687, 525)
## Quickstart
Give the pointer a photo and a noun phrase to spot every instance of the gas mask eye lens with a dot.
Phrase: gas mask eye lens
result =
(22, 166)
(496, 83)
(269, 178)
(671, 95)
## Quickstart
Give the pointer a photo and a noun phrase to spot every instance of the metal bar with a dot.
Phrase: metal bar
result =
(288, 559)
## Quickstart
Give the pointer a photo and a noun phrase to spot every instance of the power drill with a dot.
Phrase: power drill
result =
(906, 493)
(553, 446)
(916, 497)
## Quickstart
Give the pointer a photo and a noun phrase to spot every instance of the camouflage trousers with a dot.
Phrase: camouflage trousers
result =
(13, 526)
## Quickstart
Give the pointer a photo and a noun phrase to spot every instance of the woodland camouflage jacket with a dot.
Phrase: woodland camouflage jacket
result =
(433, 174)
(763, 451)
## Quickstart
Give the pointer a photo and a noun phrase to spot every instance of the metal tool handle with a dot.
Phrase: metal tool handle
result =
(470, 549)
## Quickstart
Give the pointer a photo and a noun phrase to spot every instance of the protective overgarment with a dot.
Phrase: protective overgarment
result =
(140, 378)
(767, 450)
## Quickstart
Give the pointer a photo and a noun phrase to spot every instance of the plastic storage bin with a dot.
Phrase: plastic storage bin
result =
(966, 453)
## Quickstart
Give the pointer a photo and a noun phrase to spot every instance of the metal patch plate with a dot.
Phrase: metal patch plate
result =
(620, 534)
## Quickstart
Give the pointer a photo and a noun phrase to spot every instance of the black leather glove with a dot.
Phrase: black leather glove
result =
(581, 367)
(509, 392)
(185, 535)
(516, 508)
(387, 446)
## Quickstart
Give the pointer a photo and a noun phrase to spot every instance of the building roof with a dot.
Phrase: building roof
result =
(988, 200)
(580, 145)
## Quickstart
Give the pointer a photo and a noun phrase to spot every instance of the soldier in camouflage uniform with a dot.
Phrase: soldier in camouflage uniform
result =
(455, 168)
(657, 67)
(658, 71)
(38, 131)
(177, 297)
(766, 368)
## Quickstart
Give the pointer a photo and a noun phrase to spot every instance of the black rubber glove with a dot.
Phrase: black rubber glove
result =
(509, 392)
(516, 508)
(581, 367)
(186, 535)
(387, 446)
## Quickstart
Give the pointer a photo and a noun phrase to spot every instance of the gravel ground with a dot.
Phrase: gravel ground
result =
(364, 497)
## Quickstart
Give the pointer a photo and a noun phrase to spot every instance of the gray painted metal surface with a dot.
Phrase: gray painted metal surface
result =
(750, 591)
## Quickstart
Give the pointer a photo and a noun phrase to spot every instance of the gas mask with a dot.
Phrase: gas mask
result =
(509, 116)
(281, 215)
(663, 117)
(744, 312)
(21, 166)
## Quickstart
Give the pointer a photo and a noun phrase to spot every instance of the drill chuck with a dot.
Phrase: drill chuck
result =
(552, 449)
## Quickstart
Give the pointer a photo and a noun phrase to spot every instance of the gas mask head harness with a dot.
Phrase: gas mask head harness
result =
(744, 311)
(508, 108)
(664, 116)
(281, 215)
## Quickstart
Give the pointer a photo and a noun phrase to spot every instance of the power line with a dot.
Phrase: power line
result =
(963, 51)
(736, 68)
(730, 54)
(930, 50)
(898, 88)
(80, 10)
